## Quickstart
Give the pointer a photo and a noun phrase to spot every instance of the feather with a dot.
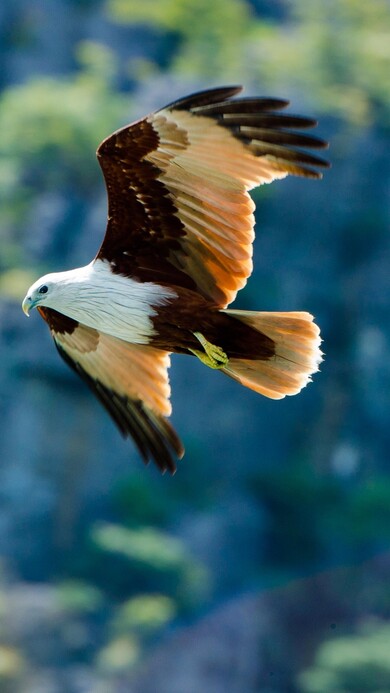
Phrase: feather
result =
(177, 249)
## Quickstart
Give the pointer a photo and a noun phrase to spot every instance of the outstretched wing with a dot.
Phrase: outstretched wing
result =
(131, 382)
(177, 181)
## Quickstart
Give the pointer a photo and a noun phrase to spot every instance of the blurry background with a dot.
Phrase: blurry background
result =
(264, 564)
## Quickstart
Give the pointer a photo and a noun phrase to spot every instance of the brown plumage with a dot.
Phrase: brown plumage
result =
(180, 230)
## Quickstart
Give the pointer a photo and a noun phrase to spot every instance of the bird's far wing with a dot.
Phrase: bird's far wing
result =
(131, 381)
(178, 204)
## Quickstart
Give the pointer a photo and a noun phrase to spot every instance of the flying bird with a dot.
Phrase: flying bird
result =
(177, 249)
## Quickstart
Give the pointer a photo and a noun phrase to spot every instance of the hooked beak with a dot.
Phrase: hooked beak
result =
(27, 305)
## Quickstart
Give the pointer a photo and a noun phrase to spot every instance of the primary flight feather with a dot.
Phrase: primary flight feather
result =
(177, 249)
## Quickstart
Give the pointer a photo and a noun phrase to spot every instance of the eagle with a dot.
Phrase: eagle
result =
(177, 249)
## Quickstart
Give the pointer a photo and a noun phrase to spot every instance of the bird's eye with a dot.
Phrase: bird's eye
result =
(43, 289)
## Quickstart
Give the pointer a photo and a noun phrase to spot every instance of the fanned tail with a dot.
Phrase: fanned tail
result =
(297, 353)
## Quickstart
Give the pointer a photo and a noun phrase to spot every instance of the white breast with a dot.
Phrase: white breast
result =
(116, 305)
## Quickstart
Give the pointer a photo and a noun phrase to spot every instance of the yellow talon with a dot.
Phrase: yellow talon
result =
(212, 356)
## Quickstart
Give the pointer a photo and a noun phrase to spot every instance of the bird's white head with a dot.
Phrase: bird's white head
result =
(98, 298)
(38, 293)
(50, 290)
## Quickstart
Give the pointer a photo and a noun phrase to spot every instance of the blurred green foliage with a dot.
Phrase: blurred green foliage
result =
(298, 505)
(358, 663)
(131, 573)
(12, 665)
(139, 500)
(76, 596)
(335, 53)
(119, 656)
(134, 623)
(144, 546)
(144, 614)
(312, 517)
(151, 558)
(209, 35)
(53, 128)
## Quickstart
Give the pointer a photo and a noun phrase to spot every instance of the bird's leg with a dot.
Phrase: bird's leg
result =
(212, 356)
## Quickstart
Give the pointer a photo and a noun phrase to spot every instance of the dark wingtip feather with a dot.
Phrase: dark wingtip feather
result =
(247, 104)
(267, 119)
(274, 136)
(153, 435)
(203, 98)
(283, 153)
(258, 123)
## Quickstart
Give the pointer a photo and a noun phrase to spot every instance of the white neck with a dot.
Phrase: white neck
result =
(117, 305)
